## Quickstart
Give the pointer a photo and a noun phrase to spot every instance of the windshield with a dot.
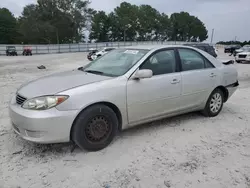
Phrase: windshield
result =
(116, 62)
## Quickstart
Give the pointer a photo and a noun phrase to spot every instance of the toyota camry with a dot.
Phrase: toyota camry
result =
(123, 88)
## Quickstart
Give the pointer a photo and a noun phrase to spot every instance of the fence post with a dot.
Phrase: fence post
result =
(48, 48)
(78, 47)
(36, 50)
(69, 48)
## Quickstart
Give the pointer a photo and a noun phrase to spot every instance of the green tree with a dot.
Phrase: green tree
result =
(54, 21)
(185, 27)
(8, 27)
(127, 19)
(100, 27)
(149, 22)
(141, 23)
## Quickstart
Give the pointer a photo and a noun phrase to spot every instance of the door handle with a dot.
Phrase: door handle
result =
(212, 75)
(175, 81)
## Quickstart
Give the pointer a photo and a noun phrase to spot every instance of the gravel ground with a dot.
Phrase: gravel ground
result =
(184, 151)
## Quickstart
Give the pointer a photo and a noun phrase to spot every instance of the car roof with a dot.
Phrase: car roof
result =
(155, 47)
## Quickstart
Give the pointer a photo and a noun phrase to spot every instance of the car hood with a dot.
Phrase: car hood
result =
(239, 50)
(59, 82)
(244, 53)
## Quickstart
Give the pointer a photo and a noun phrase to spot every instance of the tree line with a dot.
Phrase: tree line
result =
(234, 42)
(67, 21)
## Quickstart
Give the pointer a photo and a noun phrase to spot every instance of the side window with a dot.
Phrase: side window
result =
(108, 49)
(191, 60)
(162, 62)
(208, 65)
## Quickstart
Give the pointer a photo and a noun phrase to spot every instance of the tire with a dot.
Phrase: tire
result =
(238, 61)
(95, 128)
(212, 110)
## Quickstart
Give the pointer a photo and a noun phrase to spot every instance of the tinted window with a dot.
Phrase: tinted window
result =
(109, 49)
(208, 64)
(191, 60)
(162, 62)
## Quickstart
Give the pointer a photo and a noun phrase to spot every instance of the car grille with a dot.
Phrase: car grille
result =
(19, 99)
(242, 56)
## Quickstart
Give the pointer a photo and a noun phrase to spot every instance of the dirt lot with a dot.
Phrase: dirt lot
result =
(184, 151)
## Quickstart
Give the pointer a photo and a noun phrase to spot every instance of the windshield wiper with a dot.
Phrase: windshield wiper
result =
(93, 71)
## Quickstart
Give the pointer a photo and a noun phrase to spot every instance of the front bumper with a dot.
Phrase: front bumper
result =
(48, 126)
(247, 58)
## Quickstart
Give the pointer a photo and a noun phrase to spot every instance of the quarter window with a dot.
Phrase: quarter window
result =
(162, 62)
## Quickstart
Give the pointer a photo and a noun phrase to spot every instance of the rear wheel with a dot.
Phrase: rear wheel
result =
(95, 128)
(214, 103)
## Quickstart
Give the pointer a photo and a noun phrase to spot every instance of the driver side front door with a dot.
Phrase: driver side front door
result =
(156, 96)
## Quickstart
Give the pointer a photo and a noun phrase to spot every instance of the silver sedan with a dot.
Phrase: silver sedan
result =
(124, 88)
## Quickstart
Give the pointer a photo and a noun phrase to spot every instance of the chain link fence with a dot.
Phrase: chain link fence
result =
(81, 47)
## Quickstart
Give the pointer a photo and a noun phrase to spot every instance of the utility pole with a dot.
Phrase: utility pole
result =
(57, 36)
(124, 35)
(212, 37)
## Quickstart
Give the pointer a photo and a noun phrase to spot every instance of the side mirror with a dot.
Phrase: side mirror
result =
(141, 74)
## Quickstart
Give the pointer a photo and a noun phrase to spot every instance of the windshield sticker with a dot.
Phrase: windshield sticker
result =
(131, 52)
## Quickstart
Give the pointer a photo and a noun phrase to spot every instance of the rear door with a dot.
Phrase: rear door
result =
(198, 77)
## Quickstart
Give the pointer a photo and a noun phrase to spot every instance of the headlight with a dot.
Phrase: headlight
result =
(44, 102)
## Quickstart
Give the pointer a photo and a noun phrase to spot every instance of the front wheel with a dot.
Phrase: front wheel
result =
(95, 128)
(214, 103)
(238, 61)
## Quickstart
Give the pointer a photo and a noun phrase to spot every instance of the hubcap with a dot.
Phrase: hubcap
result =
(216, 102)
(98, 129)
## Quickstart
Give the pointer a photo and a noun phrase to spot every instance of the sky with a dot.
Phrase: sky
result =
(228, 18)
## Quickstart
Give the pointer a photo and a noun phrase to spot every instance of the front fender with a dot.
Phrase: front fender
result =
(111, 91)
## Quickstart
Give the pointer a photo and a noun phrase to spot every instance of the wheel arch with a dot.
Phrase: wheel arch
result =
(225, 92)
(110, 105)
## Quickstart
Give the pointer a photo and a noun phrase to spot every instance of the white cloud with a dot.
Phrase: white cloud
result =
(15, 6)
(229, 18)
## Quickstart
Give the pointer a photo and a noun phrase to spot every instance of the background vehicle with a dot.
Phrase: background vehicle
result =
(11, 51)
(243, 49)
(102, 52)
(27, 51)
(231, 48)
(124, 88)
(243, 56)
(92, 52)
(205, 47)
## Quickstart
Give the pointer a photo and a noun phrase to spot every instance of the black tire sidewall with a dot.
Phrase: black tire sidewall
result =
(78, 131)
(207, 111)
